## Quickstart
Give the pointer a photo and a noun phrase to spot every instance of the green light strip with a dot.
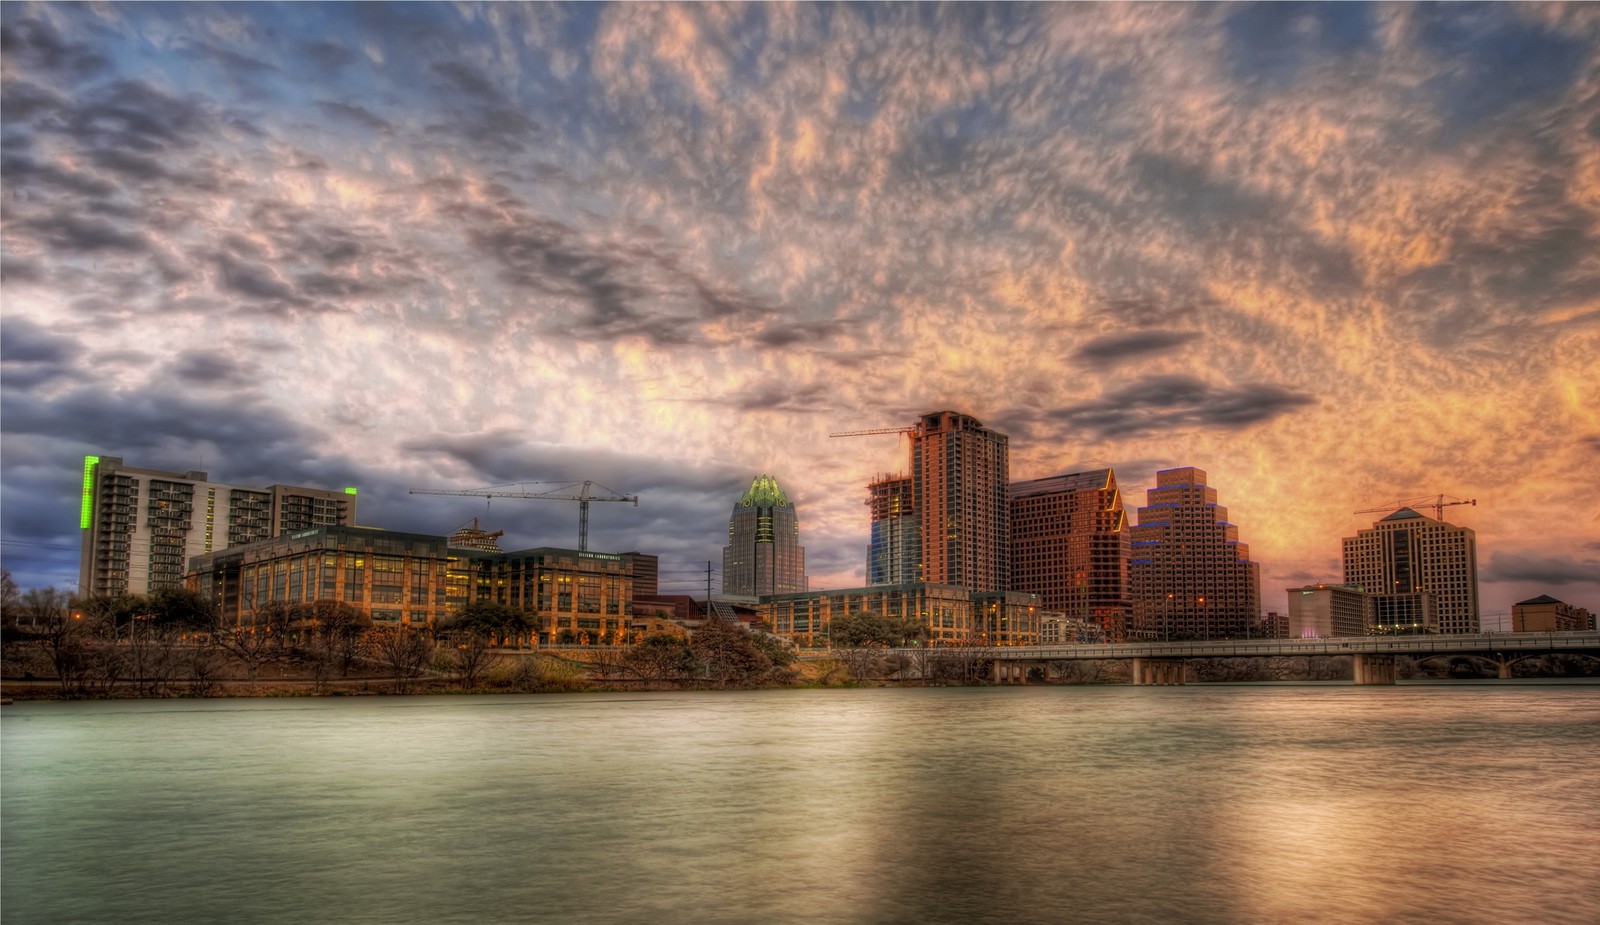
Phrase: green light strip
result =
(349, 491)
(87, 513)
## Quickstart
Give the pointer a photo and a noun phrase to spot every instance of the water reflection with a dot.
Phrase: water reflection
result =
(1201, 804)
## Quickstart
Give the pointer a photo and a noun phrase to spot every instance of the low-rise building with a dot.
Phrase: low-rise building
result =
(1545, 614)
(1322, 610)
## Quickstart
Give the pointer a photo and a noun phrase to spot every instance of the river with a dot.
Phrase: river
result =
(1205, 804)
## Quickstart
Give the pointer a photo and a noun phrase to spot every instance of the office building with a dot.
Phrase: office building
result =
(142, 526)
(960, 473)
(893, 556)
(1318, 611)
(1545, 614)
(1069, 545)
(952, 615)
(1406, 554)
(1190, 576)
(418, 579)
(763, 555)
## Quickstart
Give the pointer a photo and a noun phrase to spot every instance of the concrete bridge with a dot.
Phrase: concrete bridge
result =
(1373, 656)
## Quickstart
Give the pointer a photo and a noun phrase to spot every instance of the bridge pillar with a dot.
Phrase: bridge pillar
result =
(1158, 671)
(1373, 669)
(1505, 670)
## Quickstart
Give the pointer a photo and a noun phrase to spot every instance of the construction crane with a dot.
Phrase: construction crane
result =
(1437, 502)
(583, 496)
(881, 430)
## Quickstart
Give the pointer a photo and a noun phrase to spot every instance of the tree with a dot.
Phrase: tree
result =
(860, 639)
(870, 628)
(265, 638)
(9, 597)
(660, 657)
(185, 610)
(48, 611)
(404, 650)
(726, 652)
(333, 635)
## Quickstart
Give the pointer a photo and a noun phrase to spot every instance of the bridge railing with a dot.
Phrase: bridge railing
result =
(1582, 641)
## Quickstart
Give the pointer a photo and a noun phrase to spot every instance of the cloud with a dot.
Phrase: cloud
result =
(36, 46)
(1157, 403)
(1112, 348)
(1550, 570)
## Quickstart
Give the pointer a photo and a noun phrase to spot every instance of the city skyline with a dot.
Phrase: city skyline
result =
(1336, 256)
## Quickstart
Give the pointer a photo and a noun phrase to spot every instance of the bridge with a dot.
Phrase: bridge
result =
(1373, 656)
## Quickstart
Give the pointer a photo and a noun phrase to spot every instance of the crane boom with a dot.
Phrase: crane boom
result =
(876, 431)
(583, 497)
(1437, 502)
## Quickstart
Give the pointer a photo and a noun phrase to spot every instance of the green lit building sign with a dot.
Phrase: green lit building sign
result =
(86, 514)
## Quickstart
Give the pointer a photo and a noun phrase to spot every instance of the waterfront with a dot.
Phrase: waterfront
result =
(1222, 803)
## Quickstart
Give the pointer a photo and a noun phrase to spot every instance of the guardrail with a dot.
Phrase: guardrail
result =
(1585, 641)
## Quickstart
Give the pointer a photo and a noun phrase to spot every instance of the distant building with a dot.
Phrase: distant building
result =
(1059, 629)
(1069, 545)
(763, 555)
(142, 526)
(953, 615)
(894, 554)
(646, 574)
(1317, 611)
(1404, 613)
(418, 579)
(1191, 577)
(960, 473)
(1545, 614)
(1407, 553)
(392, 577)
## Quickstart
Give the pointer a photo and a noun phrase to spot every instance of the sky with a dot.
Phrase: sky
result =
(1334, 255)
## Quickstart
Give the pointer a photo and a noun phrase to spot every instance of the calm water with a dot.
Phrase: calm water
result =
(1225, 804)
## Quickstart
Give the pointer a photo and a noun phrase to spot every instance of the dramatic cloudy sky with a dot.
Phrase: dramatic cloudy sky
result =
(1334, 255)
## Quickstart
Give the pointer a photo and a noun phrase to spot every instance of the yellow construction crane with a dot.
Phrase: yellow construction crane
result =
(1437, 502)
(881, 430)
(583, 497)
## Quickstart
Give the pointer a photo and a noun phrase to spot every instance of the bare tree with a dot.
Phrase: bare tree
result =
(48, 611)
(264, 639)
(333, 636)
(405, 651)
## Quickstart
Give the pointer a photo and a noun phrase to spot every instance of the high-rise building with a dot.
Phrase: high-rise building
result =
(960, 472)
(141, 526)
(1069, 545)
(893, 555)
(1407, 553)
(1318, 611)
(763, 555)
(1190, 576)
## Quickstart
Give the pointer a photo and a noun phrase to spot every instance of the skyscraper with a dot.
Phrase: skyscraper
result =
(1407, 555)
(892, 557)
(141, 526)
(763, 555)
(1069, 545)
(960, 472)
(1191, 577)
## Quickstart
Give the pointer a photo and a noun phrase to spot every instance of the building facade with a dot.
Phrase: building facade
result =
(418, 579)
(893, 556)
(763, 555)
(394, 578)
(1545, 614)
(1318, 611)
(142, 526)
(1190, 576)
(952, 615)
(1407, 553)
(960, 474)
(1069, 545)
